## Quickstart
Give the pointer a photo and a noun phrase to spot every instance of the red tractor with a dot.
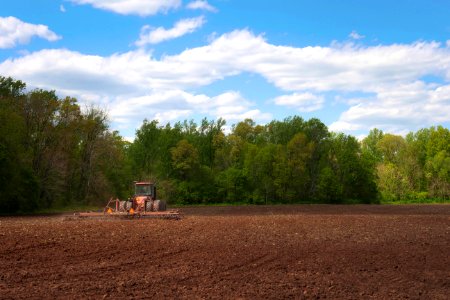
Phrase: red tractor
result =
(143, 204)
(143, 200)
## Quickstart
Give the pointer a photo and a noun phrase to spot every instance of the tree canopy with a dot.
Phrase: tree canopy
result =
(53, 153)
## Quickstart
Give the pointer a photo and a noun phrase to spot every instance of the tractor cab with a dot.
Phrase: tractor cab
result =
(144, 198)
(145, 189)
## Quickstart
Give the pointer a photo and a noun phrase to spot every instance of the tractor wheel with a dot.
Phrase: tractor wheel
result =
(156, 205)
(159, 205)
(128, 205)
(148, 205)
(122, 205)
(162, 205)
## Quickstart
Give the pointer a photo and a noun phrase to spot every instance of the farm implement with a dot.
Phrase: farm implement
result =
(142, 205)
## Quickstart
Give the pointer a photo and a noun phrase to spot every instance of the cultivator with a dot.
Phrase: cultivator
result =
(142, 205)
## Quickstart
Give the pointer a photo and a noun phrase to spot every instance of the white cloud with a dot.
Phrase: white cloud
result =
(399, 109)
(343, 126)
(133, 7)
(356, 36)
(14, 32)
(62, 8)
(171, 115)
(386, 78)
(304, 102)
(232, 106)
(202, 5)
(160, 34)
(312, 69)
(169, 105)
(344, 68)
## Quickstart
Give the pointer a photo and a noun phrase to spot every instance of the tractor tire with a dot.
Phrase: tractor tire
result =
(162, 205)
(156, 205)
(128, 205)
(148, 205)
(159, 205)
(122, 206)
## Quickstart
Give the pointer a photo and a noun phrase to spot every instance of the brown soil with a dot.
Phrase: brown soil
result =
(351, 252)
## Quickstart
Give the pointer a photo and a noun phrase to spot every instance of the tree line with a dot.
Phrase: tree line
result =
(54, 153)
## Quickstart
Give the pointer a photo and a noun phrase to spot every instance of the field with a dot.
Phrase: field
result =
(249, 252)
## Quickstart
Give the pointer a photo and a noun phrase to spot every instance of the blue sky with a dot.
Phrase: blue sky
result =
(355, 65)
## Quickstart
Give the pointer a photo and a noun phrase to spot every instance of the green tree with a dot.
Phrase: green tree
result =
(439, 175)
(390, 146)
(185, 159)
(18, 188)
(330, 189)
(232, 184)
(146, 150)
(258, 167)
(282, 175)
(370, 145)
(245, 130)
(299, 152)
(392, 183)
(93, 129)
(352, 169)
(11, 89)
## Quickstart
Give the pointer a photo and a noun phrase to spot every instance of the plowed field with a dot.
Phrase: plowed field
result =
(252, 252)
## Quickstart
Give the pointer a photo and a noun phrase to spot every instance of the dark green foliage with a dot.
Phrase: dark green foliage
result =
(291, 161)
(286, 161)
(18, 188)
(352, 169)
(53, 154)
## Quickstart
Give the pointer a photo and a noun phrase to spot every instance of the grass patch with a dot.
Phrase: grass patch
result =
(417, 201)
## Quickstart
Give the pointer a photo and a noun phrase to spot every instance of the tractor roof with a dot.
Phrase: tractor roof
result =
(143, 182)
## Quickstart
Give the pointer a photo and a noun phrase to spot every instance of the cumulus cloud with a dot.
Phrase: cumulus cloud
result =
(387, 79)
(169, 105)
(232, 106)
(344, 68)
(356, 36)
(399, 109)
(160, 34)
(202, 5)
(133, 7)
(303, 102)
(14, 32)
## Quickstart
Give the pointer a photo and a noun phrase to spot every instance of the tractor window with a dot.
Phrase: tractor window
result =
(143, 190)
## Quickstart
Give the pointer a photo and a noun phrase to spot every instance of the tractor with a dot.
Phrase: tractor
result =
(143, 204)
(143, 200)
